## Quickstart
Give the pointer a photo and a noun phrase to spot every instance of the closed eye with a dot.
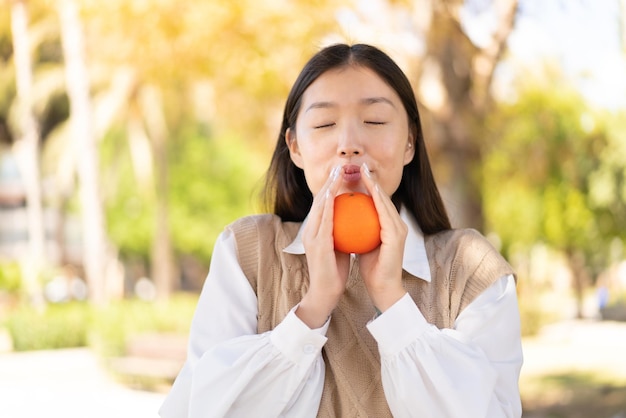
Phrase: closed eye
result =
(373, 122)
(325, 125)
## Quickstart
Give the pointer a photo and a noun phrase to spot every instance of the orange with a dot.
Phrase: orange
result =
(356, 227)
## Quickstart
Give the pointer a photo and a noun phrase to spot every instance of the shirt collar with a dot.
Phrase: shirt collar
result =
(414, 261)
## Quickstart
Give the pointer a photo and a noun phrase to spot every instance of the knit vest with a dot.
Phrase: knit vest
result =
(462, 264)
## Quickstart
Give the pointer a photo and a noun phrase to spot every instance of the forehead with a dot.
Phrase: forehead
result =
(349, 84)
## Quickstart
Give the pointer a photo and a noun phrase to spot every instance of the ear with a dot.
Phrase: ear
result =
(294, 151)
(409, 151)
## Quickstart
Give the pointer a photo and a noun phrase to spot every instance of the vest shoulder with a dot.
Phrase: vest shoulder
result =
(469, 247)
(262, 224)
(253, 221)
(460, 238)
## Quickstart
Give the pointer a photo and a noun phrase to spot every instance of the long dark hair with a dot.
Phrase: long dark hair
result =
(286, 192)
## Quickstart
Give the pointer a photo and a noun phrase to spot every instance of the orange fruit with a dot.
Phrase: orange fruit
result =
(356, 228)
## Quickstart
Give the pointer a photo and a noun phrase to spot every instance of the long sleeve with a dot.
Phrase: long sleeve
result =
(233, 371)
(469, 371)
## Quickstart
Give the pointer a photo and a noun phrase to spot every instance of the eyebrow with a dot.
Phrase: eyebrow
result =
(374, 100)
(365, 101)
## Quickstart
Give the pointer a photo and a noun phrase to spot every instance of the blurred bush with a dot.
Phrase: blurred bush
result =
(58, 326)
(533, 317)
(106, 329)
(10, 277)
(113, 326)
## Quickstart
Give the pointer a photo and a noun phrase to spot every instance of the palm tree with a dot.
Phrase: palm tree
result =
(96, 252)
(26, 149)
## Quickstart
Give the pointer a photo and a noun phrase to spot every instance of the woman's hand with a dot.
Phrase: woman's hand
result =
(328, 269)
(381, 269)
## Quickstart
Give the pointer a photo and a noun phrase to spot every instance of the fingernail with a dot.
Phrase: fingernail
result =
(366, 169)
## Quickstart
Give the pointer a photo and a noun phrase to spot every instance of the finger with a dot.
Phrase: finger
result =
(330, 181)
(382, 202)
(326, 225)
(391, 223)
(320, 201)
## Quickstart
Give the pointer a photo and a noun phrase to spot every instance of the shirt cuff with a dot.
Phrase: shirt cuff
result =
(296, 340)
(398, 326)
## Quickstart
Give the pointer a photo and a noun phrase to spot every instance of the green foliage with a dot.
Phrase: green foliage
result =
(10, 277)
(549, 175)
(575, 220)
(107, 328)
(532, 319)
(129, 206)
(112, 326)
(57, 326)
(212, 182)
(607, 184)
(239, 46)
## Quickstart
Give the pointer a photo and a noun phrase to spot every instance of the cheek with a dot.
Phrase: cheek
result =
(314, 165)
(391, 182)
(314, 180)
(393, 168)
(312, 154)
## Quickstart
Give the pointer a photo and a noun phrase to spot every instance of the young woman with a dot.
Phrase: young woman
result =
(425, 325)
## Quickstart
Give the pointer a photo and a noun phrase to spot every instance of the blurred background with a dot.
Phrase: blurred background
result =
(133, 131)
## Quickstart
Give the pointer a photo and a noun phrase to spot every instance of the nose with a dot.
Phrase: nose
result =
(349, 144)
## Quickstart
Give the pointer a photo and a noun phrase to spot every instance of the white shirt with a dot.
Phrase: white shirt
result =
(231, 371)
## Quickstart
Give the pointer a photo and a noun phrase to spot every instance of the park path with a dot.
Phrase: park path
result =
(579, 346)
(67, 383)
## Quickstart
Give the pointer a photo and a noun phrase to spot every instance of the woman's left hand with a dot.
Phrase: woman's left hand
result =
(381, 269)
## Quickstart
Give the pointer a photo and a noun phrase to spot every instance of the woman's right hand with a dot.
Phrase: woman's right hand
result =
(328, 269)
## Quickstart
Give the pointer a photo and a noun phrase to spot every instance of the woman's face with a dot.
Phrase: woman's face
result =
(350, 116)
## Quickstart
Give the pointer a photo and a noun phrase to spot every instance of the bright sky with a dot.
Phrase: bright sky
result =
(583, 36)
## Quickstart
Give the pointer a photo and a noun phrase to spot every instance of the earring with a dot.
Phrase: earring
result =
(409, 145)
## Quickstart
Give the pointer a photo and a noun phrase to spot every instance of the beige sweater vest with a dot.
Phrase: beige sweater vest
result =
(462, 264)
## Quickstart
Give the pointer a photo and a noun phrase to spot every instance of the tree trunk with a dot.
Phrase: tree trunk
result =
(162, 255)
(95, 251)
(463, 73)
(576, 261)
(26, 149)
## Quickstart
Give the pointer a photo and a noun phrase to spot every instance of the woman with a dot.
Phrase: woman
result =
(425, 325)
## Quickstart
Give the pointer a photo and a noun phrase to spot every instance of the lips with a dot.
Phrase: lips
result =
(351, 173)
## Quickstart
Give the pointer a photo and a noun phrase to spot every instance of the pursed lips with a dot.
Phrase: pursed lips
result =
(351, 173)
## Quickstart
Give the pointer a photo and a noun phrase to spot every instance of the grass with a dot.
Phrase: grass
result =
(106, 329)
(574, 395)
